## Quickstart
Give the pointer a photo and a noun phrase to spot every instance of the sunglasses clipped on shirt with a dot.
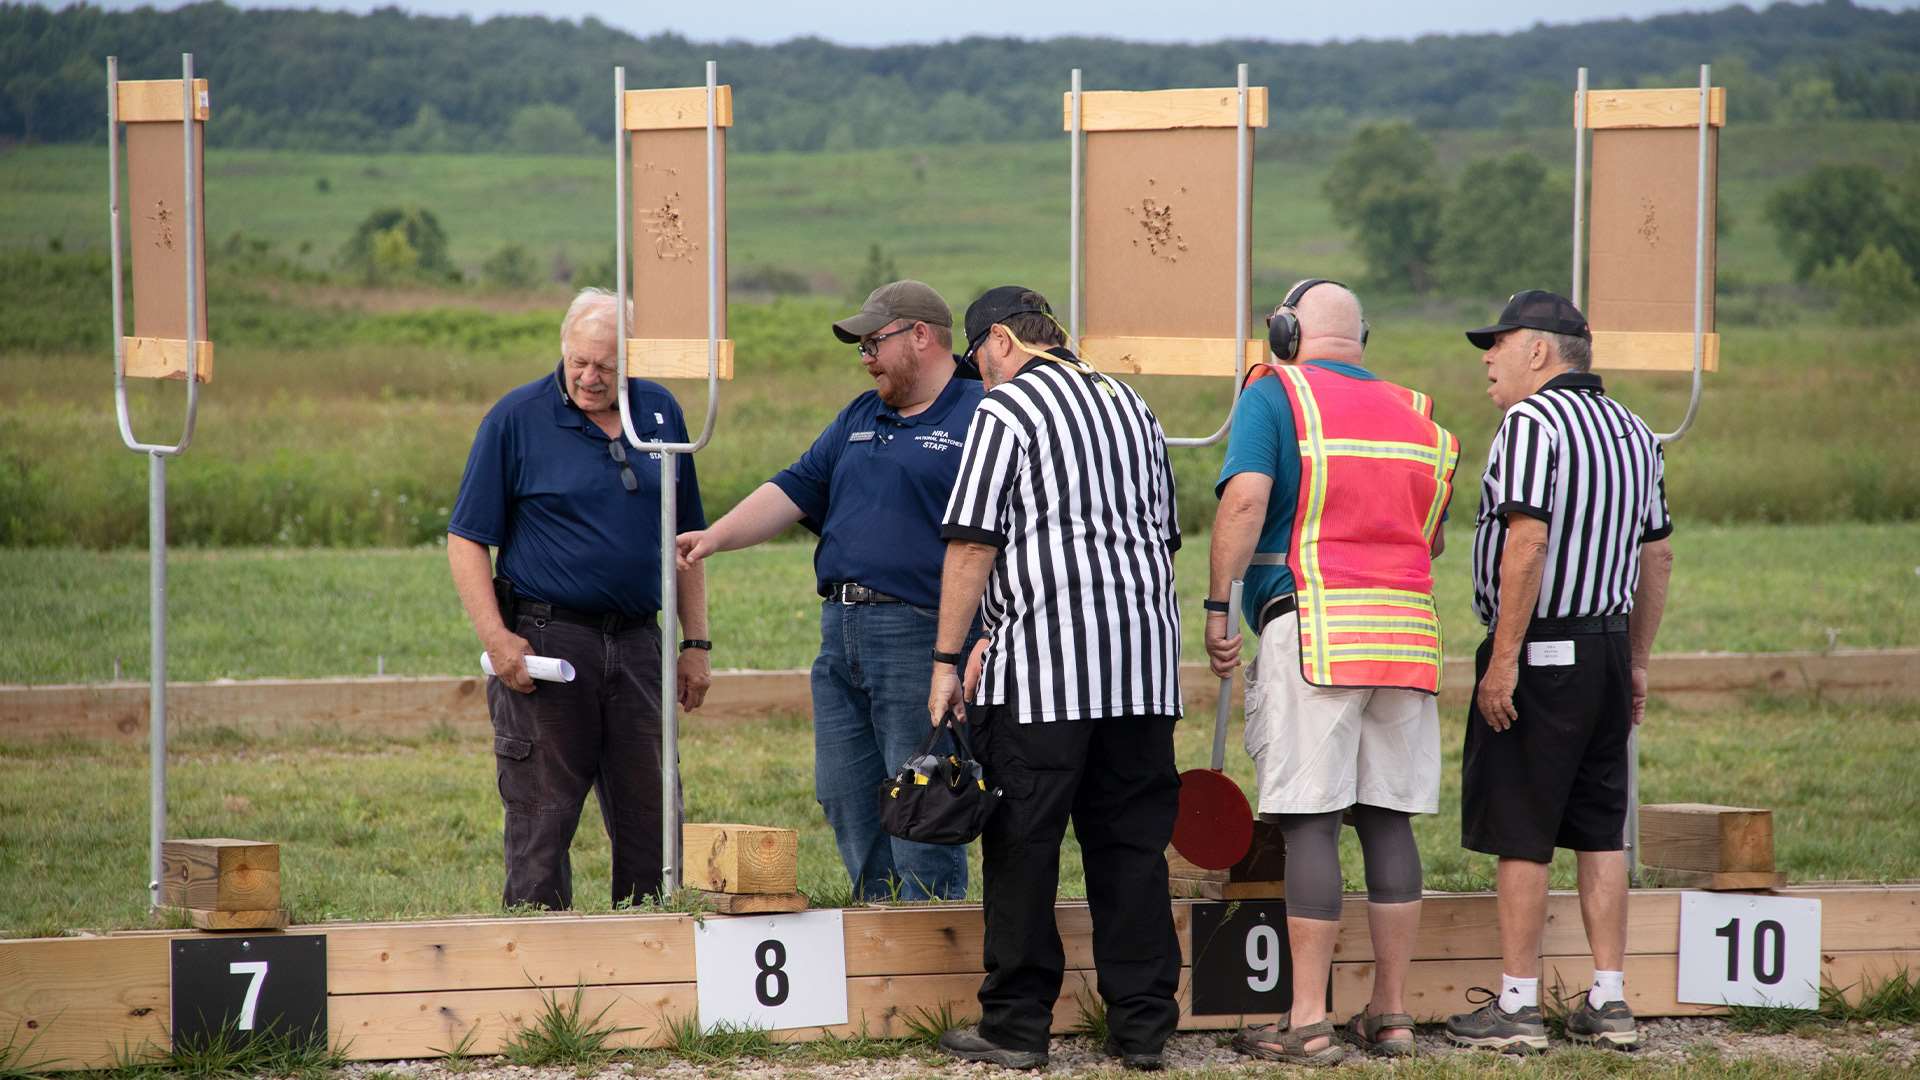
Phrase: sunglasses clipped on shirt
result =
(617, 449)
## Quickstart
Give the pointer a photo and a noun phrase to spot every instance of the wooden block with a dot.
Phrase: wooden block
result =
(676, 358)
(1260, 874)
(674, 108)
(1715, 880)
(740, 858)
(1650, 350)
(1699, 836)
(220, 875)
(1168, 356)
(205, 919)
(725, 903)
(164, 358)
(1204, 889)
(1677, 108)
(145, 100)
(1154, 110)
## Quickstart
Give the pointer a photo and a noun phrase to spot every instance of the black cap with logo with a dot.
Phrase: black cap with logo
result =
(1534, 309)
(997, 305)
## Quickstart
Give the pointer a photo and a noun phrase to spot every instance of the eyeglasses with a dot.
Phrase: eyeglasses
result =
(871, 346)
(617, 449)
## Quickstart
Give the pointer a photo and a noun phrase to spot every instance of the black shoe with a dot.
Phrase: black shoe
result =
(967, 1045)
(1492, 1028)
(1145, 1062)
(1609, 1025)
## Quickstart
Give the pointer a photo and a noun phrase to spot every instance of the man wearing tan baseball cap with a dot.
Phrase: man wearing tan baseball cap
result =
(873, 487)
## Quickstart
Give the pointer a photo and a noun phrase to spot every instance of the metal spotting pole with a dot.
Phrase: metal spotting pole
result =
(1242, 256)
(157, 453)
(1073, 218)
(670, 854)
(1699, 260)
(1579, 188)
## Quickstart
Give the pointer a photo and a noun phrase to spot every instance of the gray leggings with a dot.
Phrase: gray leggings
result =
(1313, 859)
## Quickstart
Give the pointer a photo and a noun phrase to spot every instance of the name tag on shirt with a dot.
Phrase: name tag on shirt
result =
(1549, 654)
(860, 436)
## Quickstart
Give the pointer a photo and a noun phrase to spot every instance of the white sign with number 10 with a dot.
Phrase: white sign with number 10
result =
(1745, 949)
(771, 971)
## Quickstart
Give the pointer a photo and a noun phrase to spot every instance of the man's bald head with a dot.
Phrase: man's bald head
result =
(1328, 312)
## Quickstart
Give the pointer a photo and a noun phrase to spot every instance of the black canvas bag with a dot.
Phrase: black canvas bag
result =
(937, 799)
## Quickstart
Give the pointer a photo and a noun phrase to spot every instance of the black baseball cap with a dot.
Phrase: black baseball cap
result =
(997, 305)
(1534, 309)
(908, 299)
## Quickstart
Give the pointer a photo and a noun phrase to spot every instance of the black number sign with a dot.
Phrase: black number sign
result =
(250, 986)
(771, 985)
(1769, 950)
(1240, 960)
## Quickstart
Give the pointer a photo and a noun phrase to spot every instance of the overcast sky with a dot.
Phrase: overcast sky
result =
(870, 22)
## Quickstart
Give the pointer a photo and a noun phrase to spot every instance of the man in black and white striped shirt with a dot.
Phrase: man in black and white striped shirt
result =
(1063, 521)
(1570, 540)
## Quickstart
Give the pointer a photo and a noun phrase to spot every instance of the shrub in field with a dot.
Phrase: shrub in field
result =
(1875, 288)
(1835, 211)
(1386, 190)
(1503, 229)
(510, 268)
(398, 242)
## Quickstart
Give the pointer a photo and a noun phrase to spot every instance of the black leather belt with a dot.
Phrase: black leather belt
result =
(1276, 607)
(1594, 624)
(607, 622)
(852, 592)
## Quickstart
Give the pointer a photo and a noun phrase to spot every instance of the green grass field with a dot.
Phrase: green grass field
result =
(253, 613)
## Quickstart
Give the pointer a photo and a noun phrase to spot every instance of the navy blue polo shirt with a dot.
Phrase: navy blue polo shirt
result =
(541, 486)
(873, 487)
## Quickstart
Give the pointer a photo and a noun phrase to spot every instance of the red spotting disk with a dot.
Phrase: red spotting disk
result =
(1215, 826)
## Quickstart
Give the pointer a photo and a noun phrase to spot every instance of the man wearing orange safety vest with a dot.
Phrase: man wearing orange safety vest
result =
(1332, 496)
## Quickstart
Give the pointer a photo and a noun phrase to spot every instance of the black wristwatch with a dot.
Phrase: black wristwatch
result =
(946, 658)
(696, 643)
(1214, 605)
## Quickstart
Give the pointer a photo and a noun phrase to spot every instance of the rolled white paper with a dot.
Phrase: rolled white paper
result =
(544, 668)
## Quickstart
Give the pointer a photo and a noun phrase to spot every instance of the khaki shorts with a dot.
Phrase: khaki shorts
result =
(1316, 749)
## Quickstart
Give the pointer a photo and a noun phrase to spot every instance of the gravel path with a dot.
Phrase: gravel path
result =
(1672, 1042)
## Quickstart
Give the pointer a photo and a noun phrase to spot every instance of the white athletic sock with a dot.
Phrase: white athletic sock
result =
(1607, 986)
(1517, 994)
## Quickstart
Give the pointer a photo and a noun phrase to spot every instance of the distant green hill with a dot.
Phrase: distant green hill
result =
(391, 81)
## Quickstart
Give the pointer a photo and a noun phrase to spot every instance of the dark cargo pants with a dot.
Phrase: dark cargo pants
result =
(600, 731)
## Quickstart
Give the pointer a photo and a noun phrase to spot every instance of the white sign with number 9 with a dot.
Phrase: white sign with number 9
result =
(1263, 958)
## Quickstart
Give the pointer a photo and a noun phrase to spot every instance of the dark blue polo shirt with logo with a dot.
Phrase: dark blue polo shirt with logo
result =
(542, 486)
(873, 487)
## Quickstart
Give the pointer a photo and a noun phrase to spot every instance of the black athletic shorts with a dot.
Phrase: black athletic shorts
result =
(1558, 776)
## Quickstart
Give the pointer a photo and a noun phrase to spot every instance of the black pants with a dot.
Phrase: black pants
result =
(1116, 779)
(600, 731)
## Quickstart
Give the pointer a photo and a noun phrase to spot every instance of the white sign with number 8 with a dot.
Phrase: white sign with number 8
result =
(1743, 949)
(771, 971)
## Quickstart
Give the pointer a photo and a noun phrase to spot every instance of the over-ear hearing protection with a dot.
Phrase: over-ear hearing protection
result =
(1283, 326)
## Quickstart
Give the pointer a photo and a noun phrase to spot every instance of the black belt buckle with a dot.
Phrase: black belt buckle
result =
(849, 593)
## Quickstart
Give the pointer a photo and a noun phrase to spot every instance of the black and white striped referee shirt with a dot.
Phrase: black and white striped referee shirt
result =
(1066, 472)
(1580, 461)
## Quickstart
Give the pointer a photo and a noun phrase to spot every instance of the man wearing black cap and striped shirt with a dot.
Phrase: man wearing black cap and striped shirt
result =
(1571, 539)
(1063, 520)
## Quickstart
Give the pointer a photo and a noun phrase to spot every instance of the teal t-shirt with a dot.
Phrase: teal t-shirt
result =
(1263, 441)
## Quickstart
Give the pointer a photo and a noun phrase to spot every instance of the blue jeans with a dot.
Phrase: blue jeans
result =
(870, 685)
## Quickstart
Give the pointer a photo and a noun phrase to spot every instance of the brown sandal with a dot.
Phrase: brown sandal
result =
(1260, 1041)
(1363, 1030)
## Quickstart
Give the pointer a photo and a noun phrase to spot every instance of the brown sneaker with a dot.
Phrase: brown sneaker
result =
(1609, 1025)
(1492, 1028)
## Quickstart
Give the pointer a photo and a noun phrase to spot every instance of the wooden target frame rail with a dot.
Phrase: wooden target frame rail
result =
(413, 990)
(166, 188)
(1134, 222)
(672, 131)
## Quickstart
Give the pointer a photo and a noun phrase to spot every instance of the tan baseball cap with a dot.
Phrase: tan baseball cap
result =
(909, 299)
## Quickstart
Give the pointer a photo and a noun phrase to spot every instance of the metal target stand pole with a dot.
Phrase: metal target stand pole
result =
(157, 453)
(669, 584)
(1581, 150)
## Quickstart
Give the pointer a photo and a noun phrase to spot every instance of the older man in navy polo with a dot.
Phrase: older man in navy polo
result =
(549, 484)
(873, 487)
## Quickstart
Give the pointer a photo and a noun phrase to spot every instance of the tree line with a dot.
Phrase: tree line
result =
(392, 81)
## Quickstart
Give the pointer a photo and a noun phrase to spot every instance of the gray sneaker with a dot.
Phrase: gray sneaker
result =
(967, 1044)
(1609, 1025)
(1493, 1028)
